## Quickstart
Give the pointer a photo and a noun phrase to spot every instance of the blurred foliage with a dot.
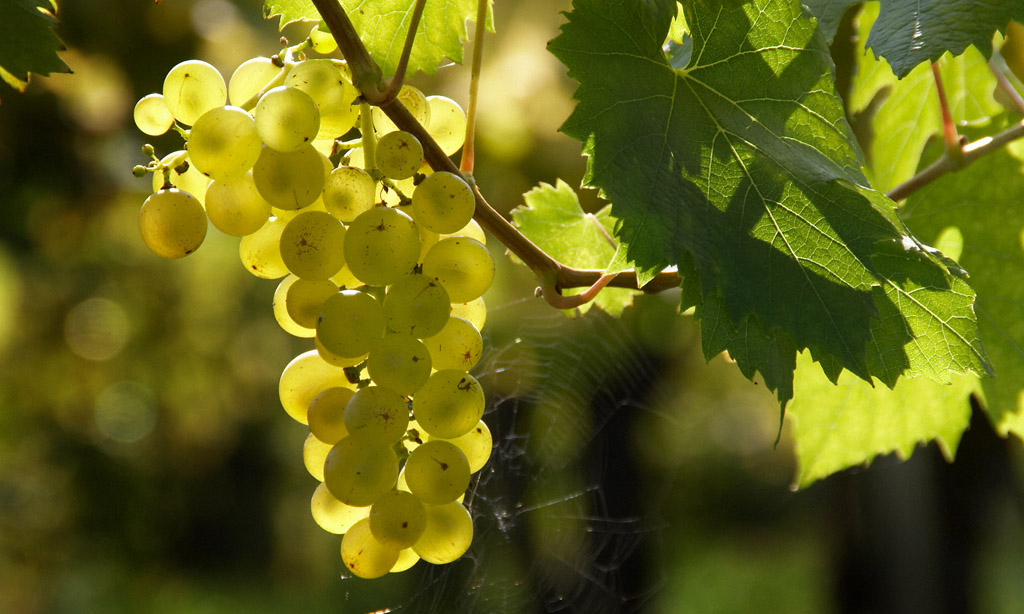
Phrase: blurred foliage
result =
(146, 465)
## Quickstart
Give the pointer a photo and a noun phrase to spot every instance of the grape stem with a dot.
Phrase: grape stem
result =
(395, 85)
(466, 162)
(366, 75)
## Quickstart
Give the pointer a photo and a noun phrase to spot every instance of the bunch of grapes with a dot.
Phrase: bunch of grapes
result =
(383, 268)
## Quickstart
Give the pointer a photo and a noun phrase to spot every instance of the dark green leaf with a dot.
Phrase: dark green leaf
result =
(27, 42)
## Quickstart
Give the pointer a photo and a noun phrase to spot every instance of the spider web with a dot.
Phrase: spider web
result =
(559, 525)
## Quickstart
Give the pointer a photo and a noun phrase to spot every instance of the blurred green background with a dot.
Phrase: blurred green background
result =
(146, 465)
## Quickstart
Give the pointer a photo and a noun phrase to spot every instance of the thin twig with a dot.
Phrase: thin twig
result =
(395, 85)
(467, 161)
(1005, 84)
(949, 134)
(557, 300)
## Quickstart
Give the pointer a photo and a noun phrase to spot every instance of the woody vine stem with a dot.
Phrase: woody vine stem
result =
(552, 275)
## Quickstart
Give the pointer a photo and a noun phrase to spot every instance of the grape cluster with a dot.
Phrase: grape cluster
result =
(383, 268)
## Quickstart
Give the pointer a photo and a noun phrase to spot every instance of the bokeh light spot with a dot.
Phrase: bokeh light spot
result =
(96, 329)
(125, 412)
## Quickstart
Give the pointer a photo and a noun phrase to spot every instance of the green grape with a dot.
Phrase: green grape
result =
(398, 519)
(417, 305)
(400, 362)
(289, 180)
(447, 123)
(260, 252)
(449, 404)
(193, 88)
(443, 203)
(172, 223)
(471, 230)
(314, 455)
(462, 265)
(476, 445)
(333, 95)
(437, 472)
(377, 415)
(280, 306)
(345, 279)
(332, 515)
(448, 534)
(191, 181)
(151, 115)
(358, 473)
(326, 415)
(223, 143)
(236, 207)
(286, 119)
(350, 323)
(475, 312)
(348, 192)
(305, 377)
(338, 361)
(312, 245)
(249, 79)
(305, 298)
(413, 100)
(322, 40)
(406, 559)
(363, 555)
(457, 346)
(428, 239)
(382, 245)
(399, 155)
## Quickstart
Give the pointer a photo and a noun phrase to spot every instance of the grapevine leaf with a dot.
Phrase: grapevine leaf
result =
(909, 33)
(741, 166)
(988, 217)
(382, 26)
(555, 222)
(910, 113)
(27, 41)
(841, 425)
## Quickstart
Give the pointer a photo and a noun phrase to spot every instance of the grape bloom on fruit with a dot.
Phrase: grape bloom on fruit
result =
(381, 271)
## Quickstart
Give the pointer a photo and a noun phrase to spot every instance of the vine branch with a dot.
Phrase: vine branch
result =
(366, 75)
(467, 161)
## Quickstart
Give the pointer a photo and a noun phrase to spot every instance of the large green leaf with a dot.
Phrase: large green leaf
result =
(27, 42)
(910, 114)
(741, 168)
(553, 219)
(382, 26)
(982, 204)
(908, 33)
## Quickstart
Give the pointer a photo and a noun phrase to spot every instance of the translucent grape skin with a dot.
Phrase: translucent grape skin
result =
(376, 415)
(398, 519)
(358, 473)
(326, 85)
(437, 472)
(280, 306)
(448, 534)
(449, 404)
(458, 346)
(286, 118)
(413, 100)
(249, 79)
(314, 454)
(476, 445)
(326, 416)
(236, 207)
(332, 515)
(305, 298)
(462, 265)
(259, 251)
(363, 555)
(192, 88)
(312, 245)
(151, 115)
(305, 377)
(443, 203)
(172, 223)
(348, 192)
(381, 246)
(191, 181)
(350, 323)
(223, 143)
(291, 180)
(417, 305)
(399, 155)
(400, 362)
(447, 123)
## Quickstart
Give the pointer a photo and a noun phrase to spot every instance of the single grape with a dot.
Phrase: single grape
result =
(172, 223)
(345, 279)
(417, 305)
(322, 40)
(413, 100)
(437, 472)
(312, 245)
(289, 180)
(280, 306)
(236, 207)
(350, 323)
(151, 115)
(398, 519)
(305, 298)
(314, 455)
(476, 445)
(223, 143)
(400, 362)
(463, 266)
(286, 118)
(448, 534)
(326, 85)
(192, 88)
(348, 192)
(358, 473)
(471, 230)
(382, 245)
(363, 555)
(475, 311)
(449, 404)
(334, 359)
(399, 155)
(406, 559)
(326, 414)
(249, 79)
(447, 123)
(332, 515)
(457, 346)
(377, 415)
(443, 203)
(260, 253)
(305, 377)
